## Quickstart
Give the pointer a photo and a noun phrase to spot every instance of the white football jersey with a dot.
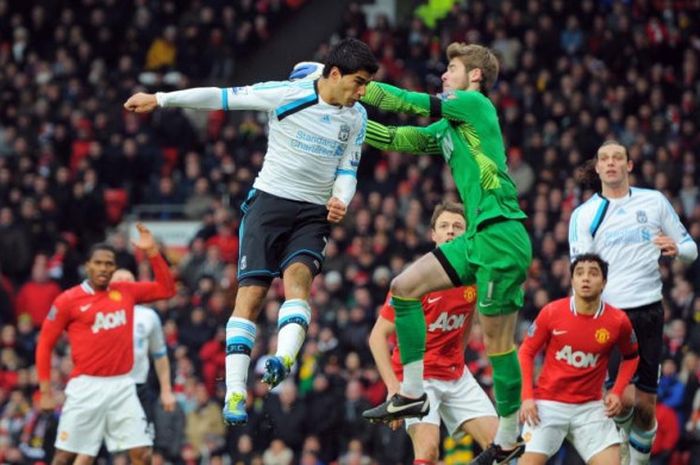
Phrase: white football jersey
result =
(621, 232)
(310, 143)
(148, 340)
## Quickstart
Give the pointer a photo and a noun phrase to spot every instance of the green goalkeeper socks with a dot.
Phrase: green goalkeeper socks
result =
(507, 382)
(410, 328)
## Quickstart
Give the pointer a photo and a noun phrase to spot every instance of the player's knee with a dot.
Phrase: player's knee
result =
(249, 300)
(401, 288)
(297, 280)
(140, 456)
(62, 458)
(645, 412)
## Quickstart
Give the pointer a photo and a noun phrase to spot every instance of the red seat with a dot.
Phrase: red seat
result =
(170, 156)
(115, 203)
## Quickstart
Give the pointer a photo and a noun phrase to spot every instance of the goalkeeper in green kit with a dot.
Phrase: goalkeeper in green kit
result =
(495, 252)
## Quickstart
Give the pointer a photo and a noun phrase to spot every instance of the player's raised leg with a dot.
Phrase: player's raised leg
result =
(240, 339)
(425, 275)
(608, 456)
(292, 321)
(502, 253)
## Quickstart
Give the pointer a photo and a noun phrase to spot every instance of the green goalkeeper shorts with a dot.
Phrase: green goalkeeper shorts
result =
(497, 258)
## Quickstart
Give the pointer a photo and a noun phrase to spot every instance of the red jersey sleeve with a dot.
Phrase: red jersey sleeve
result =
(537, 336)
(627, 343)
(162, 288)
(387, 311)
(51, 329)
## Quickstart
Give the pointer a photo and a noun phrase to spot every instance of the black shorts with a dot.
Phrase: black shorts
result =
(276, 232)
(648, 324)
(148, 398)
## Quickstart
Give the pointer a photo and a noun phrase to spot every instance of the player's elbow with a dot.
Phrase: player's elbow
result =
(692, 254)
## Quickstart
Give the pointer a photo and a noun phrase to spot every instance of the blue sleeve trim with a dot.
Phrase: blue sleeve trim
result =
(295, 106)
(224, 99)
(346, 172)
(599, 217)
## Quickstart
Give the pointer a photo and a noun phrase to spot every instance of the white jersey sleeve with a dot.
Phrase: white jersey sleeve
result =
(346, 174)
(671, 226)
(146, 323)
(264, 97)
(580, 238)
(156, 340)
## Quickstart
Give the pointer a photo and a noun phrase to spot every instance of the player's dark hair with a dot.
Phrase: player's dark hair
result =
(101, 246)
(586, 175)
(445, 206)
(350, 56)
(591, 257)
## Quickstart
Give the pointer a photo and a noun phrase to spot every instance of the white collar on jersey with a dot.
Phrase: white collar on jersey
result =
(597, 314)
(85, 285)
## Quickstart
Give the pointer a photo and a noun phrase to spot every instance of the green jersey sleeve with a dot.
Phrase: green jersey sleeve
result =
(455, 106)
(408, 139)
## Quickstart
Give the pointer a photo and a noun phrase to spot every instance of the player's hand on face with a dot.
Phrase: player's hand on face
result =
(47, 402)
(141, 103)
(146, 242)
(336, 210)
(528, 412)
(613, 404)
(668, 246)
(168, 401)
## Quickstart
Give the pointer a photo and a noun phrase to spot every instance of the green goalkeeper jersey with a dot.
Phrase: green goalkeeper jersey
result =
(469, 138)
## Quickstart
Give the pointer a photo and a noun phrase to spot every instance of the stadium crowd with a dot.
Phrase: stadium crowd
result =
(72, 162)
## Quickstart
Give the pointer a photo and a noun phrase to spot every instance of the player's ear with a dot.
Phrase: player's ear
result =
(475, 75)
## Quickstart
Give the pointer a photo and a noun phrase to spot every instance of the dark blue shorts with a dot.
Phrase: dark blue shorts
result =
(276, 232)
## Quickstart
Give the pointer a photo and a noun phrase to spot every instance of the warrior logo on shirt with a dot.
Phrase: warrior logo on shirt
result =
(602, 335)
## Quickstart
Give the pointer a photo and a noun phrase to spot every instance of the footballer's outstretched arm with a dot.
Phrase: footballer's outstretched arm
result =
(457, 106)
(263, 97)
(408, 139)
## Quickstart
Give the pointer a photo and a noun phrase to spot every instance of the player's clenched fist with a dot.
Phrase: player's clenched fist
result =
(336, 210)
(528, 412)
(141, 103)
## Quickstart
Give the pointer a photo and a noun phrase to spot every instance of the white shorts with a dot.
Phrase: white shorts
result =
(98, 408)
(454, 402)
(584, 425)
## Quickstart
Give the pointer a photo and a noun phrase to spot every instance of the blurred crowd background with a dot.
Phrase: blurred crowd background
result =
(74, 165)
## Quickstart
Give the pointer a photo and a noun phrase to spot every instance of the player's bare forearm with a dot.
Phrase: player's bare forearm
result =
(406, 139)
(390, 98)
(162, 367)
(380, 352)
